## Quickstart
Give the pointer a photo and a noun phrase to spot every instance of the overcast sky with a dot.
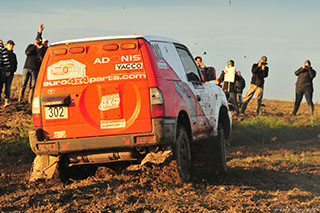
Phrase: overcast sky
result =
(286, 31)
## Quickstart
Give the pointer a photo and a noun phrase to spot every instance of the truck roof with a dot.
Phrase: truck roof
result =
(103, 38)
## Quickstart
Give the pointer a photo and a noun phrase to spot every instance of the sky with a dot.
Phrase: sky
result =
(286, 31)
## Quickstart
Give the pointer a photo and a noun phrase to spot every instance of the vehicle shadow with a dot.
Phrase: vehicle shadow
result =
(260, 178)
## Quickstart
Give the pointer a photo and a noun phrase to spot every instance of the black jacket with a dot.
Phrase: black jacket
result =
(258, 75)
(13, 61)
(240, 84)
(305, 77)
(228, 86)
(42, 51)
(32, 60)
(4, 61)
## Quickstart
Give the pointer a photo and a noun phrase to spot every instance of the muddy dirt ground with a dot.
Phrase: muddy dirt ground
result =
(261, 178)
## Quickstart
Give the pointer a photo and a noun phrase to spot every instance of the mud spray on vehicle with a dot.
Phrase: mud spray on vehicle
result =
(125, 98)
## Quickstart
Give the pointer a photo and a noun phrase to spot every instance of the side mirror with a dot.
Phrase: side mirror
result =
(209, 74)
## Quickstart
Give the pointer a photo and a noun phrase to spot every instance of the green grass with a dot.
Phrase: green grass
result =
(284, 158)
(268, 129)
(15, 143)
(261, 129)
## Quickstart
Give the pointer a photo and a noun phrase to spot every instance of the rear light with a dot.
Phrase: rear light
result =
(36, 112)
(157, 111)
(36, 105)
(76, 50)
(60, 51)
(128, 46)
(36, 120)
(111, 47)
(156, 102)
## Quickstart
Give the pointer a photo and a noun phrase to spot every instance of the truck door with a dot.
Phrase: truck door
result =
(201, 96)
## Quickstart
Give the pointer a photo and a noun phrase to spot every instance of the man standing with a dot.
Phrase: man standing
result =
(228, 78)
(240, 85)
(4, 65)
(304, 86)
(29, 70)
(42, 45)
(259, 72)
(35, 53)
(10, 72)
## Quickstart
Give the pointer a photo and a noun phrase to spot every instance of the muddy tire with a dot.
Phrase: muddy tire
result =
(219, 153)
(183, 153)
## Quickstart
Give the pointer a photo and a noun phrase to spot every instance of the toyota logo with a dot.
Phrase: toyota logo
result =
(51, 91)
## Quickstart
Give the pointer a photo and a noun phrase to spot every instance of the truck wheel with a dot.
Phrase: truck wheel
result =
(219, 151)
(183, 153)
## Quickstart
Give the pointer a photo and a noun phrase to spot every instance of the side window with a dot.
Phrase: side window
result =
(188, 65)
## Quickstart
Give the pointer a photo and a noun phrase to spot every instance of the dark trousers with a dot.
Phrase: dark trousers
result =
(29, 73)
(299, 95)
(7, 82)
(231, 96)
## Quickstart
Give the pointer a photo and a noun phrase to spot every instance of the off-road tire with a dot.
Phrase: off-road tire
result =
(219, 153)
(183, 153)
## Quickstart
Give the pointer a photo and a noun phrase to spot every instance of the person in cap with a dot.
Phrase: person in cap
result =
(228, 78)
(304, 86)
(9, 73)
(259, 71)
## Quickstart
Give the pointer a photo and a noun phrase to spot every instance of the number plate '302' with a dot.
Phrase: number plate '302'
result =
(56, 112)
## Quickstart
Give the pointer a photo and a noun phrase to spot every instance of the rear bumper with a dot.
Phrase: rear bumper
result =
(164, 132)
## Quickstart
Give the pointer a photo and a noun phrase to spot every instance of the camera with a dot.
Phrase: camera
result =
(39, 42)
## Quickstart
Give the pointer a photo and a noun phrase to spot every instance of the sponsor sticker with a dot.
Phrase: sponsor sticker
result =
(112, 124)
(109, 102)
(87, 80)
(117, 59)
(59, 134)
(66, 69)
(162, 65)
(129, 66)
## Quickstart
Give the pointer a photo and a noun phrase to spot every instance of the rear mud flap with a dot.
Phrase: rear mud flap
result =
(156, 158)
(43, 167)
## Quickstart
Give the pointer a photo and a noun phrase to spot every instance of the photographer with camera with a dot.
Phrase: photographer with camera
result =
(35, 53)
(304, 86)
(42, 44)
(259, 72)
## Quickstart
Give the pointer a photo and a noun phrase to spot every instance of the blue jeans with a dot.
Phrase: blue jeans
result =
(308, 95)
(7, 89)
(29, 73)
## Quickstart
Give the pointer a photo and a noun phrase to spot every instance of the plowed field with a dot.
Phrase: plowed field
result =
(266, 173)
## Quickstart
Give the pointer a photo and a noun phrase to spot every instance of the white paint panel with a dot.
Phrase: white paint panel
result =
(170, 55)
